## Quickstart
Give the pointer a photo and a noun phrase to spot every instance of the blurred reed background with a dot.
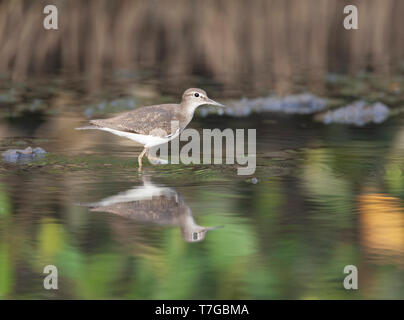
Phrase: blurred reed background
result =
(259, 44)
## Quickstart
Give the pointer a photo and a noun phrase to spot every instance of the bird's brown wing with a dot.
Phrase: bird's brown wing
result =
(152, 120)
(160, 210)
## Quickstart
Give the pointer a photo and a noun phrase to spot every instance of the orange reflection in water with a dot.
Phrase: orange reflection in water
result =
(381, 223)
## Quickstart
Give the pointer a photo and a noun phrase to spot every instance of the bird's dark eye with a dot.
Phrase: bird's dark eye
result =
(196, 95)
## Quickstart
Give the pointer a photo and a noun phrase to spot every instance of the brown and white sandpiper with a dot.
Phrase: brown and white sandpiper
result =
(155, 125)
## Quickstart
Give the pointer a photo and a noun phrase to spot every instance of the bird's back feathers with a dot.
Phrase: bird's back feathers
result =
(152, 120)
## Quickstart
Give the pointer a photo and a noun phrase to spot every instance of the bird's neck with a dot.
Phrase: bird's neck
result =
(186, 221)
(190, 107)
(188, 111)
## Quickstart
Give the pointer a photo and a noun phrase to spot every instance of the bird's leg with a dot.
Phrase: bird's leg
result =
(139, 158)
(154, 160)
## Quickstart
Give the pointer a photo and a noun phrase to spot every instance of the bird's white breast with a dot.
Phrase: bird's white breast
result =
(147, 192)
(146, 140)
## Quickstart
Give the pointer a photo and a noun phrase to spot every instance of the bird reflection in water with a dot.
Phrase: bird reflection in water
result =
(154, 204)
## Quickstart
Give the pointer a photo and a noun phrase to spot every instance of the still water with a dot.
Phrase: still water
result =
(322, 197)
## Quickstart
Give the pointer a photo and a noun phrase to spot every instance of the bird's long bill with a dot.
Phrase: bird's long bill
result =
(213, 228)
(214, 103)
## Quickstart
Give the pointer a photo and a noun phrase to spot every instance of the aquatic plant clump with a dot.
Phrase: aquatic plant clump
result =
(358, 113)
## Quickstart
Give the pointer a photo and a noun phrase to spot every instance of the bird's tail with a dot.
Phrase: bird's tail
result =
(87, 128)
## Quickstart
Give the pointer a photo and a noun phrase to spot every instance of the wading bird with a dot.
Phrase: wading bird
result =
(155, 125)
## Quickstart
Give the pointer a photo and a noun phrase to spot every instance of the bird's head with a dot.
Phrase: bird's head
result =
(196, 233)
(194, 97)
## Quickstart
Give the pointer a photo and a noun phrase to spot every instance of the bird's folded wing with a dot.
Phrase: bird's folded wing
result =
(157, 210)
(148, 121)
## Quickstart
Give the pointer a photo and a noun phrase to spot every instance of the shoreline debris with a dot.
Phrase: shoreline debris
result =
(305, 103)
(357, 113)
(23, 155)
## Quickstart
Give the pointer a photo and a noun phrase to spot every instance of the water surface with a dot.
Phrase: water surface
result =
(322, 197)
